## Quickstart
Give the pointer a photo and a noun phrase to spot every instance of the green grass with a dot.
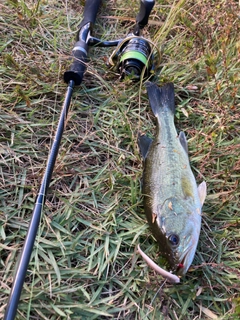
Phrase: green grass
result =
(84, 264)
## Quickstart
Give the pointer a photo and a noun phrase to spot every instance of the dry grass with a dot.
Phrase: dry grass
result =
(84, 263)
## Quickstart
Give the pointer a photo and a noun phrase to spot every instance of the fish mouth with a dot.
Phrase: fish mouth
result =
(184, 263)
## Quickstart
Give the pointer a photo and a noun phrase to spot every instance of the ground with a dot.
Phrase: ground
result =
(84, 264)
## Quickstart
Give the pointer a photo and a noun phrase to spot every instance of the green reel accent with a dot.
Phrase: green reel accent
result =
(134, 55)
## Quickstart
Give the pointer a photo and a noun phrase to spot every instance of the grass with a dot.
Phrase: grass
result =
(84, 264)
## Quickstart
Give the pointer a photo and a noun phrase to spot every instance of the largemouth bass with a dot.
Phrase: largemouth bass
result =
(172, 199)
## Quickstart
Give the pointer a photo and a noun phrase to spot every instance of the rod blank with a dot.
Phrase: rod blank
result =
(37, 211)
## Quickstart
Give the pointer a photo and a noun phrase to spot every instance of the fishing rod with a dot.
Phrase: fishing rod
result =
(133, 57)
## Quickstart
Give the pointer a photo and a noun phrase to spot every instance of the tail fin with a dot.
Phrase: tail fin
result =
(161, 98)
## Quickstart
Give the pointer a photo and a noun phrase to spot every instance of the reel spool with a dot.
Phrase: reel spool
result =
(135, 59)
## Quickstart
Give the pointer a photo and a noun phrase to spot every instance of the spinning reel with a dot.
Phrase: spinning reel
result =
(135, 56)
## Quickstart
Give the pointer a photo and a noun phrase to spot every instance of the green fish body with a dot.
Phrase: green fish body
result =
(172, 199)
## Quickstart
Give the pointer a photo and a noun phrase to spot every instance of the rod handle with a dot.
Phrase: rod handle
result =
(80, 50)
(79, 63)
(144, 12)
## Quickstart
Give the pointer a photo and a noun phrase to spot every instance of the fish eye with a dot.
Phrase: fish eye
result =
(173, 239)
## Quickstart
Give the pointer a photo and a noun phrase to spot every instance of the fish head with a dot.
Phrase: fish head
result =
(183, 247)
(180, 229)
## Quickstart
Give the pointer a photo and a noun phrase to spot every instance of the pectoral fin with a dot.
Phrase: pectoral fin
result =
(202, 191)
(183, 141)
(144, 143)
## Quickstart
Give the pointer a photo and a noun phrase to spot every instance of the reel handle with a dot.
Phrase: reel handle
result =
(144, 12)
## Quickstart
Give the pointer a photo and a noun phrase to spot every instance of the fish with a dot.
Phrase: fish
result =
(172, 199)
